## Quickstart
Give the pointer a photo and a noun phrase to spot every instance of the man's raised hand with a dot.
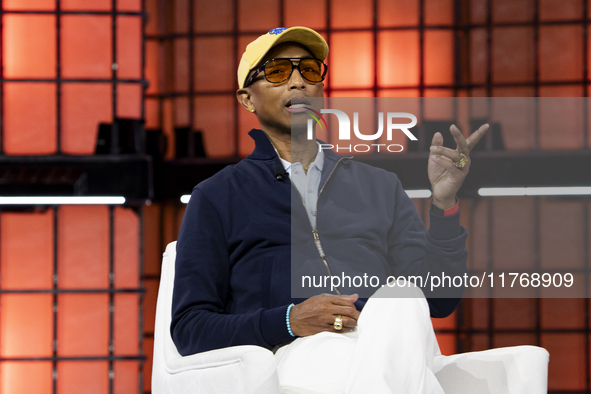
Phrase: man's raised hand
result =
(445, 177)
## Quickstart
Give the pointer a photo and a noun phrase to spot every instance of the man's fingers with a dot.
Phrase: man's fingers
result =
(445, 162)
(349, 324)
(437, 140)
(460, 140)
(344, 299)
(346, 311)
(453, 154)
(473, 139)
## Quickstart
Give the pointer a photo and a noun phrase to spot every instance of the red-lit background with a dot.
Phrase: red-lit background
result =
(379, 48)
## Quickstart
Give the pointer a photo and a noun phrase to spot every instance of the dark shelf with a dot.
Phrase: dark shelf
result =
(137, 178)
(130, 176)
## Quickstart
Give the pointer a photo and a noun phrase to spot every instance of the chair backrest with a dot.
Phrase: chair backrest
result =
(164, 347)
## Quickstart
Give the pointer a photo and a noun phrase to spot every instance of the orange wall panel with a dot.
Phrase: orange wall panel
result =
(150, 304)
(560, 10)
(154, 63)
(513, 54)
(505, 311)
(352, 57)
(84, 106)
(180, 72)
(86, 46)
(562, 230)
(26, 325)
(246, 122)
(214, 115)
(398, 58)
(85, 5)
(512, 10)
(29, 49)
(213, 19)
(561, 124)
(24, 267)
(563, 313)
(308, 13)
(513, 233)
(212, 69)
(568, 66)
(29, 118)
(180, 14)
(126, 324)
(126, 377)
(129, 47)
(83, 325)
(447, 343)
(350, 14)
(258, 15)
(16, 377)
(90, 377)
(153, 19)
(439, 12)
(567, 366)
(129, 5)
(45, 5)
(478, 57)
(148, 351)
(439, 62)
(398, 13)
(129, 100)
(181, 112)
(126, 254)
(83, 247)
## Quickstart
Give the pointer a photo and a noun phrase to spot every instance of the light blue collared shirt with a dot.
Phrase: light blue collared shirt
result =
(307, 184)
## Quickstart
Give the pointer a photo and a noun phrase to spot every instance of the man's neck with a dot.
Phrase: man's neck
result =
(295, 150)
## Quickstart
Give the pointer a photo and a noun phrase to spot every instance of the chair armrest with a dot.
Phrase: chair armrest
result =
(510, 370)
(262, 357)
(237, 369)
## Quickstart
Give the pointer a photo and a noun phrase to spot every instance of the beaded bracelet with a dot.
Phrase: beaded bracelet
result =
(287, 320)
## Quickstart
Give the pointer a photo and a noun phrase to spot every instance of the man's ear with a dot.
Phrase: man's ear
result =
(243, 97)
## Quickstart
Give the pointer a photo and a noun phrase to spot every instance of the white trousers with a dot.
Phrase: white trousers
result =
(391, 351)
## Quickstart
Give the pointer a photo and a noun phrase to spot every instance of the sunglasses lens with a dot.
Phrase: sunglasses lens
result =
(311, 69)
(277, 70)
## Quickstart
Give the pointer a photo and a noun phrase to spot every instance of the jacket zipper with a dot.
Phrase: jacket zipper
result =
(314, 231)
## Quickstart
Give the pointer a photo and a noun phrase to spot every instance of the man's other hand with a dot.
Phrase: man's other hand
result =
(317, 314)
(445, 176)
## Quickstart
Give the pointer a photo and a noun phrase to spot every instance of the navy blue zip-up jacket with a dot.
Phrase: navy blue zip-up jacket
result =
(234, 252)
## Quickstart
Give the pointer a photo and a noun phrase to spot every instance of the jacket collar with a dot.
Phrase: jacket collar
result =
(264, 149)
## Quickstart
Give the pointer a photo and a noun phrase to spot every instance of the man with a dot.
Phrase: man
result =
(233, 271)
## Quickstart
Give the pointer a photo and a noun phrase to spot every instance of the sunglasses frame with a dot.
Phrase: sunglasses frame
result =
(293, 66)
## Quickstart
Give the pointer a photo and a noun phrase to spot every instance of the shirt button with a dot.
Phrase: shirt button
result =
(295, 172)
(313, 213)
(309, 190)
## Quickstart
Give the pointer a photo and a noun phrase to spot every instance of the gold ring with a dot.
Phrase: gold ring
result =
(463, 161)
(338, 323)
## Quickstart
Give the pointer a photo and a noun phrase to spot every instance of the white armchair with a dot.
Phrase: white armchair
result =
(252, 369)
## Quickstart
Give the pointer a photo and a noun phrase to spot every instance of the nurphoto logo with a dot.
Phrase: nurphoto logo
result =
(345, 130)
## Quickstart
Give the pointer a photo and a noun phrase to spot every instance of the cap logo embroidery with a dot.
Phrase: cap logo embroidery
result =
(277, 30)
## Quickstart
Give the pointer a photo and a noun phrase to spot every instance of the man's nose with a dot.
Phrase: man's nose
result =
(296, 81)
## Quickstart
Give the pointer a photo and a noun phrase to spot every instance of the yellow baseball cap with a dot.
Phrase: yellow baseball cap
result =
(257, 49)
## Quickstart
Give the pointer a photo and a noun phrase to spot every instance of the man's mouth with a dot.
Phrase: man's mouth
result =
(298, 104)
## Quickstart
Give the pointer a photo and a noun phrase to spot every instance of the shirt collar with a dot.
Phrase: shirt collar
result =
(318, 161)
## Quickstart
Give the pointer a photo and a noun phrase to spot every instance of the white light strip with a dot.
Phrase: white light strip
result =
(65, 200)
(422, 193)
(534, 191)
